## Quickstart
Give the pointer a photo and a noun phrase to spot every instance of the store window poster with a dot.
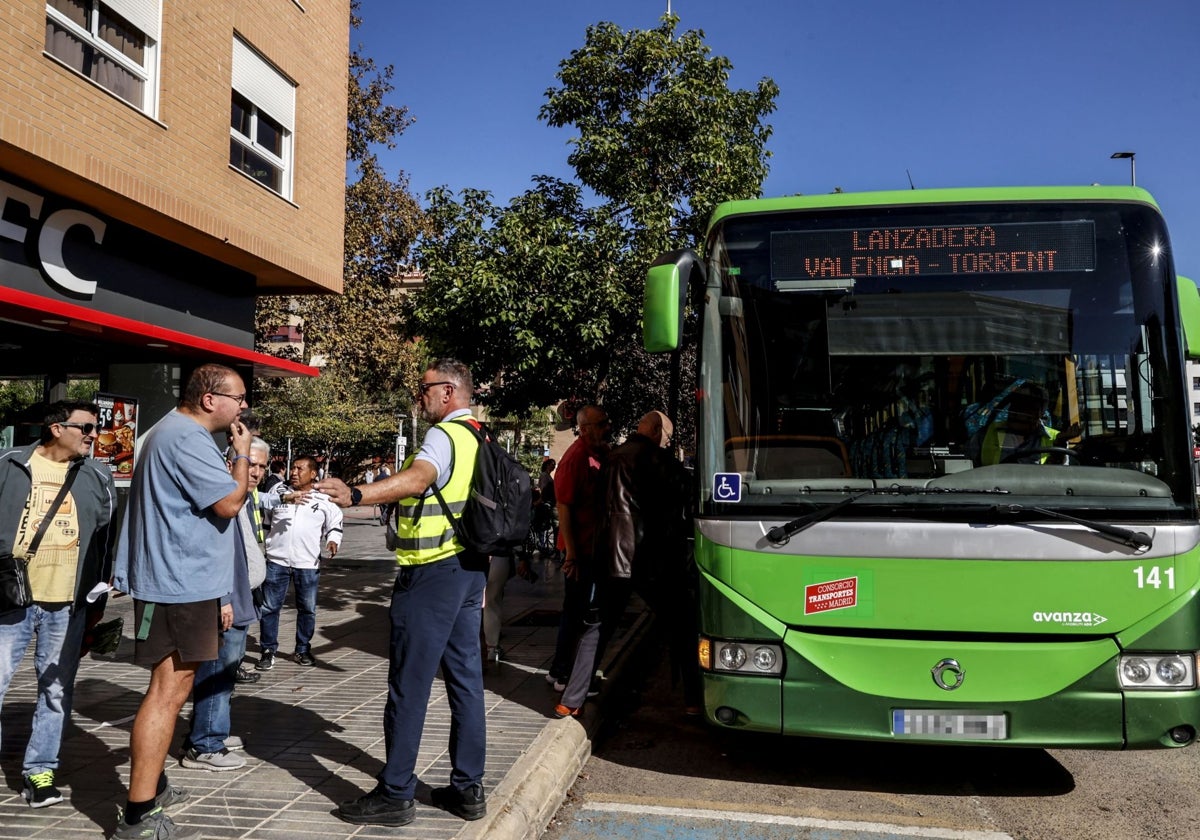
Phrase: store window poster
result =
(116, 438)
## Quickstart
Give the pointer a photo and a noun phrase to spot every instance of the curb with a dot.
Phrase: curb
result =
(535, 787)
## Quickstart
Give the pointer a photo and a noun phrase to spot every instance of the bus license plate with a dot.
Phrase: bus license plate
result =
(938, 723)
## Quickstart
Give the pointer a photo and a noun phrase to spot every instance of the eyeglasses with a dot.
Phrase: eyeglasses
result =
(237, 398)
(425, 386)
(86, 428)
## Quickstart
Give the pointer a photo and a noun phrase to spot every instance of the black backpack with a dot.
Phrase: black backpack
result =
(495, 519)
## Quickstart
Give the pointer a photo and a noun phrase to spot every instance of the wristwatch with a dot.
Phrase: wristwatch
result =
(355, 496)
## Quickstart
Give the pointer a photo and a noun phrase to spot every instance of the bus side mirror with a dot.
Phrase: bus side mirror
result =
(1189, 315)
(667, 282)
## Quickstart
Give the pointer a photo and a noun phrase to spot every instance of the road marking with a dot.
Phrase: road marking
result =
(886, 829)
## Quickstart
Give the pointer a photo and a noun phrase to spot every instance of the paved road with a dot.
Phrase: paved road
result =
(658, 774)
(614, 820)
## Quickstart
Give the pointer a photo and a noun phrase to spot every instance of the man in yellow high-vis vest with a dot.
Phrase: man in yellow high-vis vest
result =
(435, 609)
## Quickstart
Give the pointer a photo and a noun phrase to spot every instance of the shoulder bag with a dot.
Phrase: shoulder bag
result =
(15, 592)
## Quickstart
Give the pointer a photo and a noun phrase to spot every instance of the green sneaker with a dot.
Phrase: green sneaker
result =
(39, 790)
(154, 826)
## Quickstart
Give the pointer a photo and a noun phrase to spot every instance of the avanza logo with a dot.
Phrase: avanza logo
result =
(1070, 619)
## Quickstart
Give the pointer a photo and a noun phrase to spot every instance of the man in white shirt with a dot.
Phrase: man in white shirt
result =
(300, 528)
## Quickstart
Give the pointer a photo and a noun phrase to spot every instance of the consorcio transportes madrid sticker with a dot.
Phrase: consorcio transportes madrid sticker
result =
(831, 595)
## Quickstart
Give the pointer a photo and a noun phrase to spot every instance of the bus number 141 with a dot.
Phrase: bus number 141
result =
(1154, 577)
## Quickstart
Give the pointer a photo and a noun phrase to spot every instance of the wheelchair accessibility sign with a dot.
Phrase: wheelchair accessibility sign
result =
(727, 487)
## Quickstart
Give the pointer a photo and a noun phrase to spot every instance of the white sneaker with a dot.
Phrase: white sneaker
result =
(216, 762)
(233, 743)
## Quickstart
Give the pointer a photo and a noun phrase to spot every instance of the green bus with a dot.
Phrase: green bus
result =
(944, 465)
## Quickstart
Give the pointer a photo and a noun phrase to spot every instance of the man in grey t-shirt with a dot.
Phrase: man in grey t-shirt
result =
(175, 557)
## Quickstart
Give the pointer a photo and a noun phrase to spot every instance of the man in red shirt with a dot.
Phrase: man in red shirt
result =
(580, 500)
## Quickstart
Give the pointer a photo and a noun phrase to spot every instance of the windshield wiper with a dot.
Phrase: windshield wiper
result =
(1125, 536)
(781, 533)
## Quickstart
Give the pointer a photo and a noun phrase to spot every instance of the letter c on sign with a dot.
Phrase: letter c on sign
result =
(50, 248)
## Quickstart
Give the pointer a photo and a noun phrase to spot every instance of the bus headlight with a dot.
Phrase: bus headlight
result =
(765, 658)
(1134, 670)
(731, 657)
(1173, 670)
(1158, 671)
(742, 657)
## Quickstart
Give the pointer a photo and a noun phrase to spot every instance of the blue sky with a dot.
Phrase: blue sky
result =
(958, 93)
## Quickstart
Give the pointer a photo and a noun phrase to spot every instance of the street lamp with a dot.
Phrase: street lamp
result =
(1132, 165)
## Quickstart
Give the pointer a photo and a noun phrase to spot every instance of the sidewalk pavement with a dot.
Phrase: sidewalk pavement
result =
(314, 735)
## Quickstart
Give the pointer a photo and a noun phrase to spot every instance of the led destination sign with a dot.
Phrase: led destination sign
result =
(1039, 247)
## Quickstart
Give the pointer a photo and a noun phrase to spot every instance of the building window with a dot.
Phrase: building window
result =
(1196, 383)
(261, 119)
(112, 43)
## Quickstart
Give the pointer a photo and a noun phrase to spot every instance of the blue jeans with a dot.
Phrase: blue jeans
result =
(212, 692)
(274, 590)
(56, 659)
(435, 621)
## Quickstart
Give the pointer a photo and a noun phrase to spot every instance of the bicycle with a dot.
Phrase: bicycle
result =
(543, 533)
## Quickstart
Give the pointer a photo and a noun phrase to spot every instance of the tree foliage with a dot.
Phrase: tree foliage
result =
(662, 137)
(17, 395)
(526, 294)
(327, 416)
(544, 295)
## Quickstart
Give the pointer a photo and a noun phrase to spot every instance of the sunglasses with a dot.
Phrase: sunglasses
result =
(425, 386)
(86, 428)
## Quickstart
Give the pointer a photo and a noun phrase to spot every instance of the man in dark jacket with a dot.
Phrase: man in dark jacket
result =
(642, 543)
(73, 556)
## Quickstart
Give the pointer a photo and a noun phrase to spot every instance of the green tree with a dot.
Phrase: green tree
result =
(543, 297)
(327, 415)
(525, 294)
(16, 396)
(662, 137)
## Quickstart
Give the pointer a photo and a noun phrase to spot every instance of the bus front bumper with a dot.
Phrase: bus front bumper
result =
(1003, 695)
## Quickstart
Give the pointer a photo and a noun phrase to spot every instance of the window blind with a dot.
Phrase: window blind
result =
(255, 79)
(146, 15)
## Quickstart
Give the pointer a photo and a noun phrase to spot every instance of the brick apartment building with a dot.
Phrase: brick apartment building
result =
(161, 164)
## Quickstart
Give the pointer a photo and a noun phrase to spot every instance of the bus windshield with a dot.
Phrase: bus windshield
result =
(946, 357)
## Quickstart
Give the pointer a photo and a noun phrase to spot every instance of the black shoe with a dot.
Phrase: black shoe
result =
(244, 676)
(39, 790)
(266, 662)
(377, 808)
(305, 658)
(470, 804)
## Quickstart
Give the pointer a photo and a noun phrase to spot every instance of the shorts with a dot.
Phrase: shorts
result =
(192, 629)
